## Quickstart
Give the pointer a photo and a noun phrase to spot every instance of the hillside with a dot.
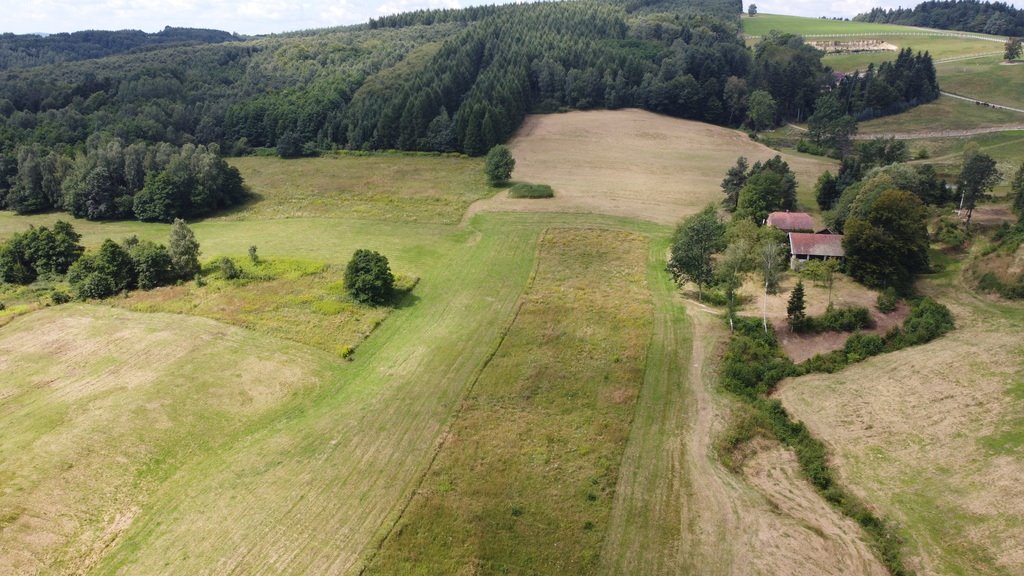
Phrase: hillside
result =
(29, 50)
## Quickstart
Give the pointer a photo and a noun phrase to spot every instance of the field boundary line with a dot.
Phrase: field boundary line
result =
(443, 436)
(965, 35)
(977, 100)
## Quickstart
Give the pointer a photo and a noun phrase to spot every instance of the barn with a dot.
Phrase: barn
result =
(805, 246)
(791, 221)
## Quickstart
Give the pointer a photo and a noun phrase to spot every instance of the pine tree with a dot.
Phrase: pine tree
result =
(796, 311)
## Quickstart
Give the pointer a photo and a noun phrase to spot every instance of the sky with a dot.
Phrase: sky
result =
(268, 16)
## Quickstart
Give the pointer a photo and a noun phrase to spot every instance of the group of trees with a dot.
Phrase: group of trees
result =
(110, 180)
(893, 87)
(112, 269)
(998, 18)
(766, 187)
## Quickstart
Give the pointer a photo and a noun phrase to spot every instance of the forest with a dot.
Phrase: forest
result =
(996, 18)
(433, 80)
(28, 50)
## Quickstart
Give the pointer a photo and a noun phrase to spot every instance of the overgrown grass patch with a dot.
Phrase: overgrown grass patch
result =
(523, 190)
(294, 299)
(525, 480)
(394, 187)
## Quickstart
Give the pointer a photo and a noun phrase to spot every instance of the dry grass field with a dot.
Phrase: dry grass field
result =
(99, 406)
(933, 437)
(632, 163)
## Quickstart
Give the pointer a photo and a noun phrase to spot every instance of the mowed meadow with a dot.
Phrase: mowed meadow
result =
(541, 400)
(253, 446)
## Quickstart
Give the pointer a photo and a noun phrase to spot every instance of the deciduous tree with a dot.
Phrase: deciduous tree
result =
(184, 250)
(696, 239)
(499, 165)
(368, 277)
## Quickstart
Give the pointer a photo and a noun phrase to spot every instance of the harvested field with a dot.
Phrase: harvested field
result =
(632, 163)
(933, 436)
(98, 405)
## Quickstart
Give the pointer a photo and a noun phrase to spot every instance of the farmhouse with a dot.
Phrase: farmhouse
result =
(791, 221)
(804, 246)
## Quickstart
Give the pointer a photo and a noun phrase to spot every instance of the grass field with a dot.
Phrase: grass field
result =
(673, 169)
(985, 77)
(527, 474)
(382, 186)
(941, 115)
(933, 437)
(543, 402)
(763, 23)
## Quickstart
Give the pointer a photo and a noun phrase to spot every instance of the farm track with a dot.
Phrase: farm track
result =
(678, 511)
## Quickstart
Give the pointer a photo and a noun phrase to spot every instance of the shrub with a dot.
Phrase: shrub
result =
(58, 297)
(228, 269)
(927, 321)
(860, 346)
(531, 191)
(368, 277)
(152, 265)
(253, 257)
(94, 285)
(887, 300)
(841, 320)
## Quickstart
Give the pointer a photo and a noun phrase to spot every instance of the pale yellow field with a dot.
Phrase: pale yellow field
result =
(632, 163)
(932, 437)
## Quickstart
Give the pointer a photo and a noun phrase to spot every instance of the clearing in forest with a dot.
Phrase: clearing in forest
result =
(633, 163)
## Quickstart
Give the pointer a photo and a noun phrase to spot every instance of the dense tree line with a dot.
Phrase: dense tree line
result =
(996, 18)
(28, 50)
(110, 180)
(891, 88)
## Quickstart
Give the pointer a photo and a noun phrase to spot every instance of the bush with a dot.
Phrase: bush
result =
(95, 285)
(152, 265)
(887, 300)
(841, 320)
(368, 278)
(860, 346)
(58, 297)
(228, 269)
(531, 191)
(927, 321)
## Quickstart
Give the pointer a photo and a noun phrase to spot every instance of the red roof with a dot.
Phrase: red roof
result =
(790, 221)
(803, 244)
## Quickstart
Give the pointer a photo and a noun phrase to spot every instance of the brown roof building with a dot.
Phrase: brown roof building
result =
(790, 221)
(805, 246)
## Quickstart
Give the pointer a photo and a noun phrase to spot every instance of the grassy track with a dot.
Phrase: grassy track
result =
(649, 528)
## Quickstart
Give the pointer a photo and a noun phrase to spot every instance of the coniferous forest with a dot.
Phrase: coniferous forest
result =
(128, 135)
(996, 18)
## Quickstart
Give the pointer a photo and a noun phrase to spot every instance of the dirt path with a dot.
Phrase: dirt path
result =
(940, 133)
(678, 511)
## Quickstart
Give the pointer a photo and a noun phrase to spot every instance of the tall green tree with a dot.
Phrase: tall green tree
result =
(825, 191)
(733, 182)
(184, 250)
(796, 308)
(830, 125)
(978, 176)
(889, 246)
(761, 110)
(696, 240)
(770, 187)
(499, 165)
(1017, 190)
(368, 277)
(1013, 49)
